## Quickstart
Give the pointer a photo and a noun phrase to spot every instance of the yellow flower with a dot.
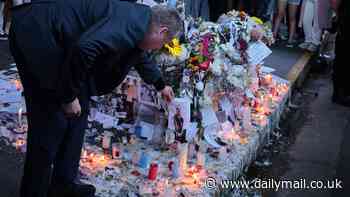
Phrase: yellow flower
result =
(174, 47)
(257, 20)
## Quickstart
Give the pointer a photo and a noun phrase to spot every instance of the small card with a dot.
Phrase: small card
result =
(107, 120)
(257, 52)
(179, 110)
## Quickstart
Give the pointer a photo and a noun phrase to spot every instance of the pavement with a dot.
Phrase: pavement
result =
(319, 149)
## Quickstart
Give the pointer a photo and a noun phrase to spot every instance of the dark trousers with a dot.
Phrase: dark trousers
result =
(263, 9)
(54, 146)
(340, 68)
(54, 141)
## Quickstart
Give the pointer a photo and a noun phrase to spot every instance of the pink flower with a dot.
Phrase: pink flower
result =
(205, 65)
(205, 45)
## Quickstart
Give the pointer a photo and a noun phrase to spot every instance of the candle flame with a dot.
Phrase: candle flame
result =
(20, 142)
(17, 84)
(85, 154)
(232, 135)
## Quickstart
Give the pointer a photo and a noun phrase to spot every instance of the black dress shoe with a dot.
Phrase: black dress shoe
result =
(72, 190)
(341, 100)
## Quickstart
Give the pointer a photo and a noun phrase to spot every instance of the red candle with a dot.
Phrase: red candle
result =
(153, 170)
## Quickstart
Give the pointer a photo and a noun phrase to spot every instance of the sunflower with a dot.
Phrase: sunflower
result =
(174, 48)
(257, 20)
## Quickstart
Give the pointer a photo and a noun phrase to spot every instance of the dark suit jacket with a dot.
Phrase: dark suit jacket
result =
(60, 45)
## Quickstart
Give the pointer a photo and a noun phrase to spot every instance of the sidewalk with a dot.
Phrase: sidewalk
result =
(320, 150)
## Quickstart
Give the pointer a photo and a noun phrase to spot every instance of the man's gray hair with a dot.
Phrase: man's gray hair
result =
(170, 18)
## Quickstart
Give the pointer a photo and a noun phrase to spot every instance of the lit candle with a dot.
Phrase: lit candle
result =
(106, 141)
(177, 172)
(84, 155)
(231, 136)
(18, 84)
(191, 151)
(247, 120)
(183, 155)
(200, 159)
(243, 141)
(115, 151)
(21, 145)
(195, 178)
(268, 79)
(20, 122)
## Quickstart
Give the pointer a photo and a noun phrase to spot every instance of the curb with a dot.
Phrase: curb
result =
(297, 74)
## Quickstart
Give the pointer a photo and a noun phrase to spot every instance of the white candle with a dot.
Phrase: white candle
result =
(183, 154)
(268, 79)
(106, 141)
(20, 111)
(247, 120)
(200, 159)
(169, 190)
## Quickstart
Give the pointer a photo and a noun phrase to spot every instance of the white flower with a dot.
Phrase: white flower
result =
(237, 82)
(235, 76)
(186, 79)
(231, 51)
(185, 54)
(205, 101)
(216, 66)
(200, 86)
(237, 70)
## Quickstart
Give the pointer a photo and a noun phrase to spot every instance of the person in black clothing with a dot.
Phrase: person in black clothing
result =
(67, 51)
(341, 88)
(217, 8)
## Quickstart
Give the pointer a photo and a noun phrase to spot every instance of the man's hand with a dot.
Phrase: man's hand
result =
(72, 109)
(167, 94)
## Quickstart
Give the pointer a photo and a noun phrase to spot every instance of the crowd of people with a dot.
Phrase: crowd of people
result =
(311, 16)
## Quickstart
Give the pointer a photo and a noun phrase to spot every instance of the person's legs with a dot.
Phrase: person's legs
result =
(293, 10)
(281, 11)
(1, 17)
(66, 163)
(3, 36)
(263, 11)
(7, 16)
(341, 89)
(308, 20)
(316, 30)
(46, 128)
